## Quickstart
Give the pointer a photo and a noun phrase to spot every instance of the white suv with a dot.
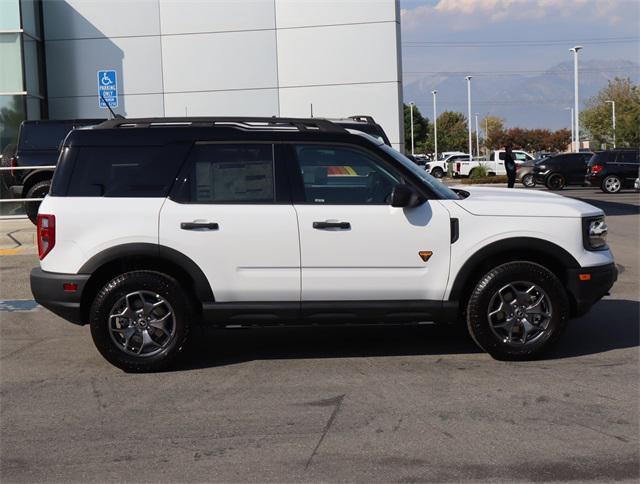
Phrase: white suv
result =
(155, 225)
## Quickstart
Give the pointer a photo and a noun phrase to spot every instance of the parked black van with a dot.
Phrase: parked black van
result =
(558, 171)
(613, 170)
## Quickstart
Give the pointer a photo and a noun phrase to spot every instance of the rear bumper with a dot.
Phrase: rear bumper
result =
(47, 290)
(587, 292)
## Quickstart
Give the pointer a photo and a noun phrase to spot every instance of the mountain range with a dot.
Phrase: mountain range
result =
(529, 99)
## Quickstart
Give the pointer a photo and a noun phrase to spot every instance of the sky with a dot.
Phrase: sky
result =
(513, 40)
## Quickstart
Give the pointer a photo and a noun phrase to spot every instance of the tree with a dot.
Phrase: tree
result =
(421, 130)
(596, 118)
(493, 126)
(452, 132)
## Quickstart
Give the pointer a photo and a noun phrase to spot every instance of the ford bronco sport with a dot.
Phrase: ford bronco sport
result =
(155, 225)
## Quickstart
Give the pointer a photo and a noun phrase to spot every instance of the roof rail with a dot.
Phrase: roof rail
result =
(243, 123)
(361, 117)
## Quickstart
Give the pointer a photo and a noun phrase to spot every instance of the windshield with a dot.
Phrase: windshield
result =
(440, 188)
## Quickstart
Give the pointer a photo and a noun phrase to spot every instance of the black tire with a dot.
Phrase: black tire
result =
(483, 296)
(39, 190)
(528, 180)
(104, 304)
(611, 184)
(555, 181)
(437, 172)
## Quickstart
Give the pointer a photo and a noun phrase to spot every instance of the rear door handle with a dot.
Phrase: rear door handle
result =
(331, 225)
(199, 226)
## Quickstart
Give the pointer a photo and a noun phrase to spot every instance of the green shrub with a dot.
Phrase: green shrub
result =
(480, 171)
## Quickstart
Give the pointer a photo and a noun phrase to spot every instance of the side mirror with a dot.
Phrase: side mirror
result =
(405, 196)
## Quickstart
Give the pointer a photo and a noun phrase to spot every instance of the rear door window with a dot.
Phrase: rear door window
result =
(229, 173)
(130, 171)
(628, 157)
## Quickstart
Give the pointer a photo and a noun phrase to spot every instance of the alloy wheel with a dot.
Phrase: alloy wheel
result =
(519, 313)
(142, 323)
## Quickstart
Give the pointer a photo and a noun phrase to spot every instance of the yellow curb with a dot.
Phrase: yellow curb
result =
(11, 251)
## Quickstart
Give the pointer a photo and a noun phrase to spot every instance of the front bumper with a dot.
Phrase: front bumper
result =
(588, 285)
(47, 289)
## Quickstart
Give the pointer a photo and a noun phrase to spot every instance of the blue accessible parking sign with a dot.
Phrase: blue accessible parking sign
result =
(107, 89)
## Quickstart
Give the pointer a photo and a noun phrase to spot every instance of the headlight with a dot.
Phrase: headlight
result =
(594, 231)
(542, 167)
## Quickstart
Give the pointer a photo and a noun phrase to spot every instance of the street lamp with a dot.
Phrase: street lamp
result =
(477, 138)
(613, 120)
(435, 126)
(468, 78)
(411, 116)
(572, 131)
(576, 107)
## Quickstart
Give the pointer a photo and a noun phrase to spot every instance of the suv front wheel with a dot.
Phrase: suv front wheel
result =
(140, 321)
(517, 311)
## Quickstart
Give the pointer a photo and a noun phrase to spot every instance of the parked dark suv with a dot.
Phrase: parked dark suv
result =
(557, 171)
(613, 170)
(38, 143)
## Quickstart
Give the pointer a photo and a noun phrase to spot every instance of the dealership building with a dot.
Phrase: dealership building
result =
(334, 58)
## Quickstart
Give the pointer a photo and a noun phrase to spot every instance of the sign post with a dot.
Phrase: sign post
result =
(107, 89)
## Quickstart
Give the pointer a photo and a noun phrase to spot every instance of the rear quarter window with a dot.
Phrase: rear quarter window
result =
(139, 171)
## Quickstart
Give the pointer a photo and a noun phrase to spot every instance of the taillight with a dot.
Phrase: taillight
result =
(595, 169)
(457, 166)
(13, 162)
(46, 234)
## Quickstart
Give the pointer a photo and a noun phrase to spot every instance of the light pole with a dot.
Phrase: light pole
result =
(411, 116)
(572, 126)
(468, 78)
(576, 107)
(486, 134)
(435, 126)
(477, 138)
(613, 120)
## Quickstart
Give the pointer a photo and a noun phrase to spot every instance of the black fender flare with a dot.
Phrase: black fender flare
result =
(506, 246)
(35, 176)
(201, 284)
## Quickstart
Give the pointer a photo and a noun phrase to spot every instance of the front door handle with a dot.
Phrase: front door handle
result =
(331, 225)
(199, 226)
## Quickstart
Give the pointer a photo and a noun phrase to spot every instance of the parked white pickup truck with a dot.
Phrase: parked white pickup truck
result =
(495, 165)
(439, 167)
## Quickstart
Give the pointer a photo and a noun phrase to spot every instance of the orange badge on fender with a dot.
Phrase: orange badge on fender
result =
(425, 255)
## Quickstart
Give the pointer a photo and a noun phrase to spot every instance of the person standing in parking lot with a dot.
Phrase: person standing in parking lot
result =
(510, 166)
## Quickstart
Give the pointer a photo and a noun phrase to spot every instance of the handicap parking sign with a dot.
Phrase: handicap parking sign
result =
(107, 89)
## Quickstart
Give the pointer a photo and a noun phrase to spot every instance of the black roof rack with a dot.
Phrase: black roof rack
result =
(243, 123)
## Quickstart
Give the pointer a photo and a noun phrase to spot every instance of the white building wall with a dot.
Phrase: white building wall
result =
(225, 58)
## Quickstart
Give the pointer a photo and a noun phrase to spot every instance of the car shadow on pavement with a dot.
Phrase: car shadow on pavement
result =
(612, 209)
(611, 324)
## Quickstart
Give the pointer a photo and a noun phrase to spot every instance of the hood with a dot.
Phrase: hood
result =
(523, 203)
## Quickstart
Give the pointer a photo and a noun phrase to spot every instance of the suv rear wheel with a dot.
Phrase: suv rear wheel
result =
(140, 321)
(39, 190)
(556, 181)
(611, 184)
(517, 310)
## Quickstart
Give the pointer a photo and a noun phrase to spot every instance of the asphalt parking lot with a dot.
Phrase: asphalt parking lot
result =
(324, 404)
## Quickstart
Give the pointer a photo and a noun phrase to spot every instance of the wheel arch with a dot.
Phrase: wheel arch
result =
(36, 176)
(529, 249)
(144, 256)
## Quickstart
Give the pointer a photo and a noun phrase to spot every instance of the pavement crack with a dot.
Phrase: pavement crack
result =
(337, 402)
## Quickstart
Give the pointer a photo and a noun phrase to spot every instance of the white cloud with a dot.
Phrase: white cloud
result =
(468, 13)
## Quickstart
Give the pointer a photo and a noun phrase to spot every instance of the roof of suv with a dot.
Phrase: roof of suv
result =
(161, 131)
